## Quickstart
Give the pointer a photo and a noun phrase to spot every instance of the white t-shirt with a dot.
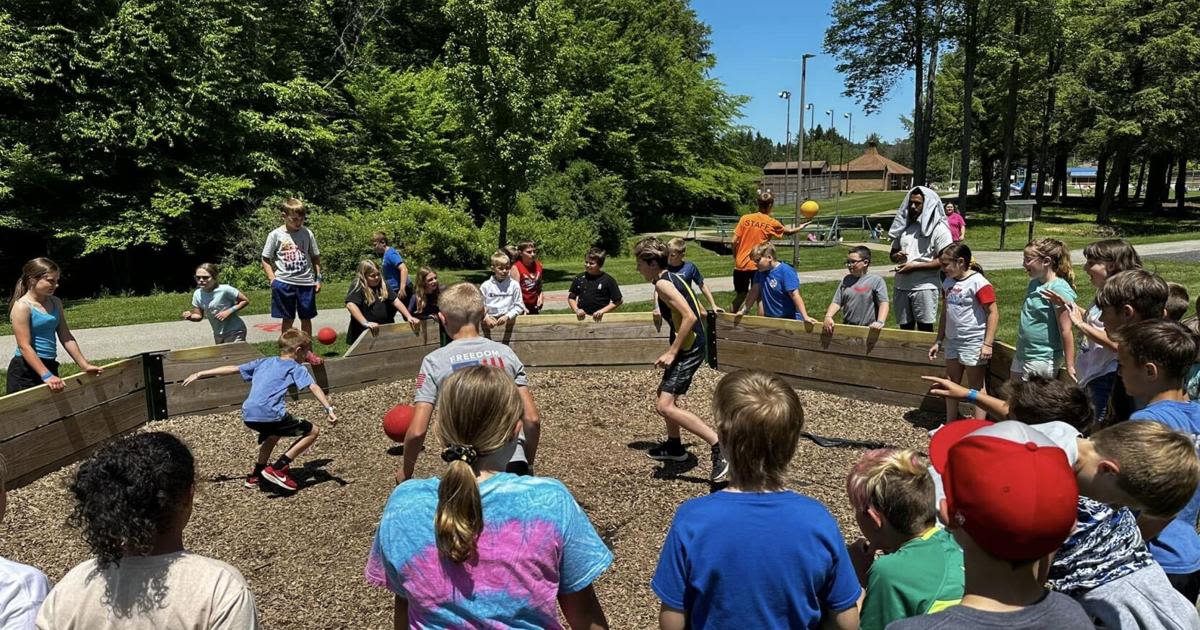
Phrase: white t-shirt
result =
(292, 254)
(1093, 359)
(921, 248)
(22, 589)
(966, 318)
(502, 298)
(180, 591)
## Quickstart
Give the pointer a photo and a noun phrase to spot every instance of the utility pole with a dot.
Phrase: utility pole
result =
(786, 95)
(800, 157)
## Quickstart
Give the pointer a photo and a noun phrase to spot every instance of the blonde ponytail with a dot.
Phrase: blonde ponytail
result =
(480, 408)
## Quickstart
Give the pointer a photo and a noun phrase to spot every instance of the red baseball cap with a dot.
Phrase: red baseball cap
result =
(1007, 485)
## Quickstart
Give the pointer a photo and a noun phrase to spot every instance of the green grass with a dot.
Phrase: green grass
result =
(1077, 228)
(852, 204)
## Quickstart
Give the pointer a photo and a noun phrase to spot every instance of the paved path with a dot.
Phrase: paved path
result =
(120, 341)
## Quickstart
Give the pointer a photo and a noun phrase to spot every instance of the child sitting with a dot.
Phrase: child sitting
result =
(594, 292)
(921, 571)
(756, 555)
(676, 250)
(264, 410)
(1154, 356)
(133, 499)
(1010, 502)
(862, 297)
(481, 547)
(778, 285)
(501, 294)
(460, 314)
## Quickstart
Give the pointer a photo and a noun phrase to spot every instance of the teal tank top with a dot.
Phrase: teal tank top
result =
(44, 329)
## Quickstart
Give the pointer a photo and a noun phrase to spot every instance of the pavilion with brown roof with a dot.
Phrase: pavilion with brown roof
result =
(872, 171)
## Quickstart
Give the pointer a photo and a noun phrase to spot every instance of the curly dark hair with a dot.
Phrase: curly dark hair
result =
(129, 492)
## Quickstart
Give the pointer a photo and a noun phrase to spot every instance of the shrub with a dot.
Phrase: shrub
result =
(556, 238)
(583, 192)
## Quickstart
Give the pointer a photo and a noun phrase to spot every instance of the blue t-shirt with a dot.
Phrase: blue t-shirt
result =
(536, 544)
(391, 271)
(689, 272)
(775, 289)
(270, 379)
(1177, 547)
(755, 560)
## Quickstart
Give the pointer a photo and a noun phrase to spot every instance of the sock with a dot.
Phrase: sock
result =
(258, 468)
(716, 448)
(282, 462)
(673, 443)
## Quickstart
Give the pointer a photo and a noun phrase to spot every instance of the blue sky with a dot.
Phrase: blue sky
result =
(758, 44)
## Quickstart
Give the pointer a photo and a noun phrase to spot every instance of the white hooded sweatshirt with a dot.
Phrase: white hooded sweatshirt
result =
(920, 240)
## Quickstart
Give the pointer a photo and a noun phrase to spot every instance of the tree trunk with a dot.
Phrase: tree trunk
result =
(935, 43)
(986, 179)
(1101, 175)
(1104, 214)
(1060, 173)
(971, 37)
(1123, 189)
(919, 158)
(1010, 104)
(1027, 184)
(1181, 185)
(1156, 181)
(1052, 66)
(1137, 192)
(1166, 187)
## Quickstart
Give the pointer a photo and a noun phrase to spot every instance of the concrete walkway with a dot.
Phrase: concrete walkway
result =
(121, 341)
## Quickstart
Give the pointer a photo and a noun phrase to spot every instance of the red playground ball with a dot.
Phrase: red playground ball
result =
(395, 423)
(327, 335)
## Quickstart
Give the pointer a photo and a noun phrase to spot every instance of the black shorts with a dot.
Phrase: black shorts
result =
(742, 279)
(287, 426)
(1186, 583)
(22, 377)
(678, 377)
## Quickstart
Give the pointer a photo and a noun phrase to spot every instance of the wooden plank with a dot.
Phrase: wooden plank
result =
(395, 337)
(856, 392)
(873, 346)
(178, 364)
(61, 442)
(26, 410)
(574, 329)
(362, 370)
(860, 372)
(727, 321)
(206, 395)
(600, 352)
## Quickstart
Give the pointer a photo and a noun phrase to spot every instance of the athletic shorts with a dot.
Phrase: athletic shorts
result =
(287, 426)
(22, 377)
(532, 309)
(230, 336)
(919, 306)
(742, 279)
(1027, 369)
(678, 377)
(965, 352)
(289, 301)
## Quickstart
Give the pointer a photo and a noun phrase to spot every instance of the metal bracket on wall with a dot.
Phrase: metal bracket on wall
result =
(156, 386)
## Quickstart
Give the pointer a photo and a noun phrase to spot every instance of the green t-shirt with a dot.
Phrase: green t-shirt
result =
(923, 576)
(1038, 338)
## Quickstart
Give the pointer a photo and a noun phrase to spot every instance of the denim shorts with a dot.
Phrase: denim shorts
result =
(1027, 369)
(289, 301)
(965, 352)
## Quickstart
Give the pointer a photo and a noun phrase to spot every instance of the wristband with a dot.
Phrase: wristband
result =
(329, 410)
(880, 322)
(319, 277)
(972, 394)
(47, 376)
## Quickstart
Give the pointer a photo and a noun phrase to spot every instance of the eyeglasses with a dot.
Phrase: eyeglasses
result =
(204, 277)
(851, 263)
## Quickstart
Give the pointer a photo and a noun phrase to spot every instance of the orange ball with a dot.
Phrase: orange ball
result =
(327, 335)
(809, 209)
(396, 421)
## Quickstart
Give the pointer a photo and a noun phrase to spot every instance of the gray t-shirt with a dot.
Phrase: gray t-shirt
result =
(464, 353)
(921, 248)
(292, 254)
(1055, 610)
(860, 299)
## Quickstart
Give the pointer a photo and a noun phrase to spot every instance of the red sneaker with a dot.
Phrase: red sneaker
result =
(280, 478)
(252, 480)
(313, 359)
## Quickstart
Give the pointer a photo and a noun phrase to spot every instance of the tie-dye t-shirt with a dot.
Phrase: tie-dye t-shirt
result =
(536, 544)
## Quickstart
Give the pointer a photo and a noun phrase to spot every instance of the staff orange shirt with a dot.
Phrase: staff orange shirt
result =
(753, 230)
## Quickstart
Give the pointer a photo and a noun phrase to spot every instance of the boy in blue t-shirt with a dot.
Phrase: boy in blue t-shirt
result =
(1152, 360)
(395, 271)
(264, 410)
(756, 555)
(778, 285)
(676, 250)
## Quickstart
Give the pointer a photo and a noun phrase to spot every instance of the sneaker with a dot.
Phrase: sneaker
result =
(312, 359)
(280, 478)
(252, 480)
(720, 468)
(664, 453)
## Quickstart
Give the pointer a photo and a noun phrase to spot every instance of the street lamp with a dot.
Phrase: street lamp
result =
(811, 123)
(842, 151)
(850, 132)
(800, 156)
(786, 95)
(831, 129)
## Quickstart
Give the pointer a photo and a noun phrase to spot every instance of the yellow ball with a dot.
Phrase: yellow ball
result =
(809, 209)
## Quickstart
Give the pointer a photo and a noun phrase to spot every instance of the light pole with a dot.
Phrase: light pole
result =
(786, 95)
(831, 129)
(800, 156)
(850, 131)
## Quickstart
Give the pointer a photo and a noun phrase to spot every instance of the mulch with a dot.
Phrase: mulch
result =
(303, 555)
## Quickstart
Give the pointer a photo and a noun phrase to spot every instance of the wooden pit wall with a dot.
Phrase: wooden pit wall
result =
(42, 431)
(882, 366)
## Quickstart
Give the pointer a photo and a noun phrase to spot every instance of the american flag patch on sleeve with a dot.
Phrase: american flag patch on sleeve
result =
(420, 380)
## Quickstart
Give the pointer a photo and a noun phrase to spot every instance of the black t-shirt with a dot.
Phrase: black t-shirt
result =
(382, 311)
(595, 292)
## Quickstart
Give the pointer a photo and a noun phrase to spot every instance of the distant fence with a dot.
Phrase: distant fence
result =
(41, 431)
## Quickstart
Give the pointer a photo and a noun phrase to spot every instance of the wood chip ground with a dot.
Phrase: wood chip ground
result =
(303, 555)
